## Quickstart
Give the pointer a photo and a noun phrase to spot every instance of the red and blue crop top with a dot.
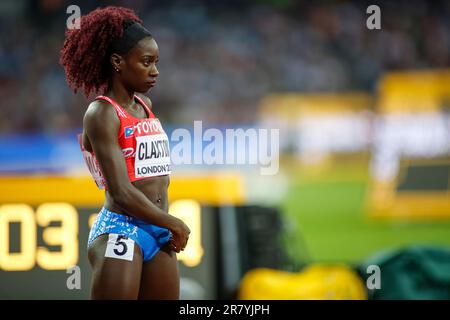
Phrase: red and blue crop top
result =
(144, 144)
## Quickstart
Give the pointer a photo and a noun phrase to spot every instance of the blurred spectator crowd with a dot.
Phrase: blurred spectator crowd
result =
(219, 58)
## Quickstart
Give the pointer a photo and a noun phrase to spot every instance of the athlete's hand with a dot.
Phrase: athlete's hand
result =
(180, 235)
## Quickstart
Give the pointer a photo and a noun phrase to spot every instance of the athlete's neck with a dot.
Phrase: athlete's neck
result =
(118, 92)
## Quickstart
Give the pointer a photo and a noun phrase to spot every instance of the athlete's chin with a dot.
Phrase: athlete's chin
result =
(146, 88)
(143, 90)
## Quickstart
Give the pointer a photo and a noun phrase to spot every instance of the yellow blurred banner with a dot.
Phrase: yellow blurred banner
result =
(213, 189)
(316, 282)
(292, 106)
(413, 91)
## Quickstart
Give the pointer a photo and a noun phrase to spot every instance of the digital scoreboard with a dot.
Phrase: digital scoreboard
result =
(45, 223)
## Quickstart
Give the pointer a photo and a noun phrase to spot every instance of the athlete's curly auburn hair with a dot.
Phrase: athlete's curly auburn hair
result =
(84, 54)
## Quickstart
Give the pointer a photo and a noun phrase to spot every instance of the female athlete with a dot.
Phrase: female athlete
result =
(133, 242)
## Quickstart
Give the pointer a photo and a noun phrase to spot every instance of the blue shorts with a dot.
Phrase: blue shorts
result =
(149, 237)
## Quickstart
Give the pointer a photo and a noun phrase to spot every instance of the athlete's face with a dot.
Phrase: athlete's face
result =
(139, 70)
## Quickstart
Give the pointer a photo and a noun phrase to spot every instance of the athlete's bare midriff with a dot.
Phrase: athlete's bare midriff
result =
(155, 189)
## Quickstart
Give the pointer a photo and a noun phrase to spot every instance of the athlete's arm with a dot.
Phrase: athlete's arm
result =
(101, 125)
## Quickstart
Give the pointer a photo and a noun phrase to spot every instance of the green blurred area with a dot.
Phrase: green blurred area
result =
(326, 222)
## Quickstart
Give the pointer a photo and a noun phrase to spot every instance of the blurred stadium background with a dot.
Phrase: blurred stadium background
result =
(364, 137)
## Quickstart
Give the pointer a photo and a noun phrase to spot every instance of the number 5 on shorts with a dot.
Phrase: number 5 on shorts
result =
(119, 247)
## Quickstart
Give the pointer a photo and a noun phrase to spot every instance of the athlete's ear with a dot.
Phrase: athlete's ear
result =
(116, 62)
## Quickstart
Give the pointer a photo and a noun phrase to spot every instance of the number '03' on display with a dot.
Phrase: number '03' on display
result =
(30, 254)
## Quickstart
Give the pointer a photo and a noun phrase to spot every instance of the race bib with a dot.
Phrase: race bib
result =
(152, 156)
(119, 247)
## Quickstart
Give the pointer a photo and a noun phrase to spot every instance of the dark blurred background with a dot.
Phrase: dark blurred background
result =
(219, 58)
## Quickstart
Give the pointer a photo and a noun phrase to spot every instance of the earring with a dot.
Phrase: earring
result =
(117, 69)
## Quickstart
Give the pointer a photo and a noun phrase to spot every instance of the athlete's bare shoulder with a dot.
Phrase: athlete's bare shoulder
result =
(146, 99)
(100, 113)
(101, 110)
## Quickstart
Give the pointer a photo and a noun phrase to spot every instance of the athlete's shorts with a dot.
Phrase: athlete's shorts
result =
(149, 237)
